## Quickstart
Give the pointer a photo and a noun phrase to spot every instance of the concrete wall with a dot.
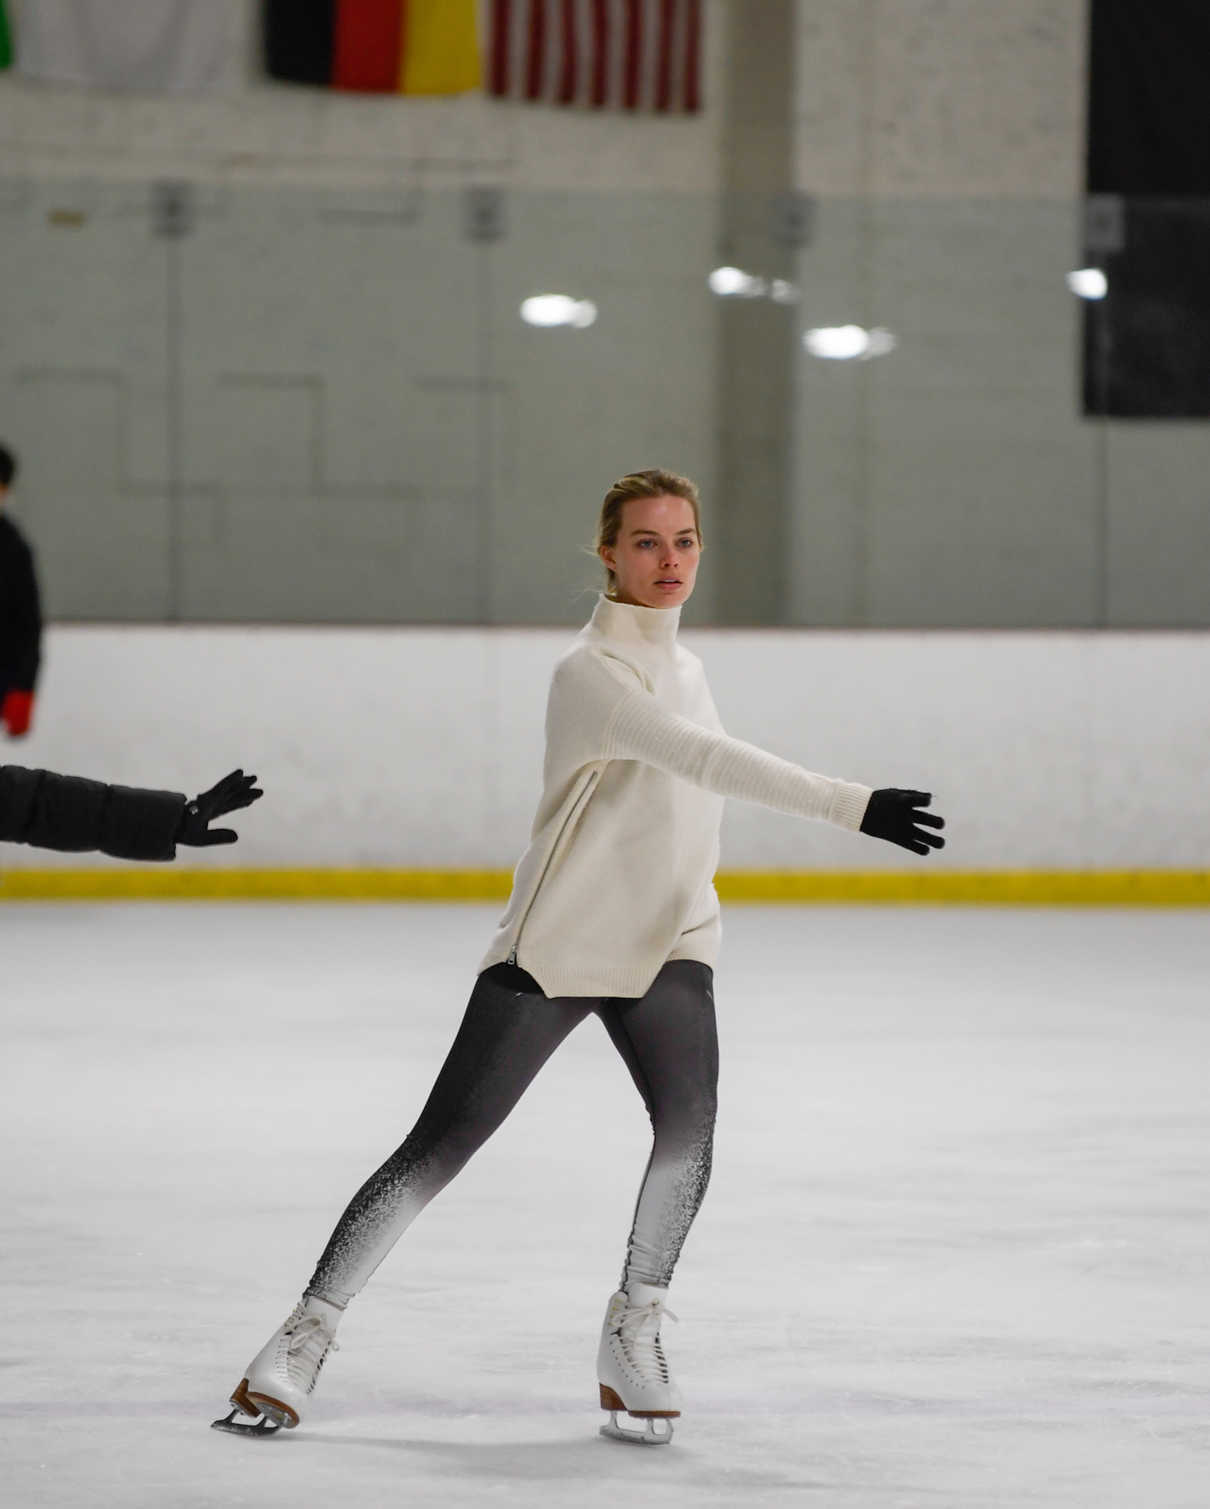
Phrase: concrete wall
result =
(318, 402)
(948, 99)
(414, 748)
(324, 406)
(954, 482)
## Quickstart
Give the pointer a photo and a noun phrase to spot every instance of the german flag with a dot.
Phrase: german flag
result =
(374, 46)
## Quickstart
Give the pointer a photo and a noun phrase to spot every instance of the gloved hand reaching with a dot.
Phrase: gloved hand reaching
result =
(232, 792)
(895, 815)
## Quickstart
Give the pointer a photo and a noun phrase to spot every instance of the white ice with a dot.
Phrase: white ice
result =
(955, 1253)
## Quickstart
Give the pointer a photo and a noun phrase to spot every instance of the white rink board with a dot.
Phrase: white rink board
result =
(422, 748)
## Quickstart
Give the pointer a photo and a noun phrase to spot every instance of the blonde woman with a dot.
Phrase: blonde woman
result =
(614, 914)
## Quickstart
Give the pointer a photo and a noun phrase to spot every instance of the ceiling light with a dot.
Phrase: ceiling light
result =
(735, 283)
(1088, 283)
(846, 343)
(549, 310)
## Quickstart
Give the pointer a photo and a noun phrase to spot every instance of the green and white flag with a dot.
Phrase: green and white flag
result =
(6, 39)
(149, 46)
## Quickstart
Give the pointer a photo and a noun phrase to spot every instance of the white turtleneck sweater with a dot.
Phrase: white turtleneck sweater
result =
(618, 877)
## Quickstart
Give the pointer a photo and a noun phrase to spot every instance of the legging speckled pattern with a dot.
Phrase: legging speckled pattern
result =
(669, 1041)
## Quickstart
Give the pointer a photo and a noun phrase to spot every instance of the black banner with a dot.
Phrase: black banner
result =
(1147, 343)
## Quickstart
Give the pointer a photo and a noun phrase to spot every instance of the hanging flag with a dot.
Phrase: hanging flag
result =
(374, 46)
(6, 39)
(156, 46)
(620, 54)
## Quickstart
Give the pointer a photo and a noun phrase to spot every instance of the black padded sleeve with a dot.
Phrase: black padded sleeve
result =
(73, 814)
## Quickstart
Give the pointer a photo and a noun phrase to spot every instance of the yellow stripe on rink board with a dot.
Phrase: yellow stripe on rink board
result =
(843, 888)
(972, 888)
(172, 884)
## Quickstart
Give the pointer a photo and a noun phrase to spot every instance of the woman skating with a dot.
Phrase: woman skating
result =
(613, 913)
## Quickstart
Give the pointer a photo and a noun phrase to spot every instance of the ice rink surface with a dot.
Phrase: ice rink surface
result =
(956, 1250)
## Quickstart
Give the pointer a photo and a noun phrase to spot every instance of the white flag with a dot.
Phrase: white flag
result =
(151, 46)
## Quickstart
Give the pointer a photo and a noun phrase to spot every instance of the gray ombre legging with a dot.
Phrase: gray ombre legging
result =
(669, 1041)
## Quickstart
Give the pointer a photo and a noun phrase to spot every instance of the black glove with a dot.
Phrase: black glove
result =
(232, 792)
(894, 815)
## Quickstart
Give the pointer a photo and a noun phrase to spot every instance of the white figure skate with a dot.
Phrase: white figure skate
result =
(632, 1369)
(284, 1372)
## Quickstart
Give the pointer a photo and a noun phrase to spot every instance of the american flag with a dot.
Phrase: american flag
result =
(619, 54)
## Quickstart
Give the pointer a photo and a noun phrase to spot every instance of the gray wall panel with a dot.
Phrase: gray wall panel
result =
(1158, 527)
(248, 562)
(267, 431)
(829, 486)
(951, 481)
(331, 398)
(324, 405)
(102, 541)
(633, 390)
(982, 514)
(82, 354)
(974, 293)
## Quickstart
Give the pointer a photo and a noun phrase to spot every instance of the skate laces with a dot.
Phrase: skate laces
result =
(639, 1331)
(308, 1342)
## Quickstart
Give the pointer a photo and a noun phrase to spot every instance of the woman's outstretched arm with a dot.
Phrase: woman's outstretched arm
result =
(600, 710)
(640, 729)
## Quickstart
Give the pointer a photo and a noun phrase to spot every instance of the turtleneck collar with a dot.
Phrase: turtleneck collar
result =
(631, 625)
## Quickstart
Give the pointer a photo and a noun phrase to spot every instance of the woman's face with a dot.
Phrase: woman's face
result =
(656, 557)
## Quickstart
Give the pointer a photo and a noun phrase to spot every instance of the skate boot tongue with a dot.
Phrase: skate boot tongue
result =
(646, 1306)
(644, 1296)
(640, 1328)
(308, 1342)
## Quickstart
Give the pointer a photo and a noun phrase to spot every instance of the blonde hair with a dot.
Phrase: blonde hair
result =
(652, 483)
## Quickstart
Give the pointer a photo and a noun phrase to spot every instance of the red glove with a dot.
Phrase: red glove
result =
(16, 712)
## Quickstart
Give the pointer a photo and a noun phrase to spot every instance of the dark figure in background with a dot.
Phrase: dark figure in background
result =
(71, 813)
(20, 616)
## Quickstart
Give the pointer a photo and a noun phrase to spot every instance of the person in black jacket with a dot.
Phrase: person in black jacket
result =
(72, 813)
(20, 616)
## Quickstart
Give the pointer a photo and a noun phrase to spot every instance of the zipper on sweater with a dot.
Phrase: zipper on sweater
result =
(576, 807)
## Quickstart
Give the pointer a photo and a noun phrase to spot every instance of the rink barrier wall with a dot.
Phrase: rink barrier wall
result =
(391, 756)
(1163, 888)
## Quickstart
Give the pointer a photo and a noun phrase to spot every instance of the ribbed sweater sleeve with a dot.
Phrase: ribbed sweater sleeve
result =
(640, 729)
